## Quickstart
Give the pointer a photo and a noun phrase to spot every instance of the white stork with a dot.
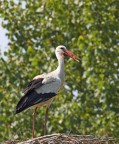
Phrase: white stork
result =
(43, 88)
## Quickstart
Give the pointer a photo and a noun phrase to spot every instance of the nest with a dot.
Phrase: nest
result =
(69, 139)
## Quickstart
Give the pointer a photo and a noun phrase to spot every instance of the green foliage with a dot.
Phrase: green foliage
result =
(89, 103)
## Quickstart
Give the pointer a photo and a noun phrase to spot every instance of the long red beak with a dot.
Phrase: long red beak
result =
(71, 55)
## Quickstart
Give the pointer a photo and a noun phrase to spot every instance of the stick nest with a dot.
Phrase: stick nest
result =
(68, 139)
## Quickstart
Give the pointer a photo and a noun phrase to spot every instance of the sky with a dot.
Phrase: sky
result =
(3, 38)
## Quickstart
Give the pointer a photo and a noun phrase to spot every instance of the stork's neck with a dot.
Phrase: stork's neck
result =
(60, 67)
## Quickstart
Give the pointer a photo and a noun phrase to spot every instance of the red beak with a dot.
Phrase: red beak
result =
(71, 55)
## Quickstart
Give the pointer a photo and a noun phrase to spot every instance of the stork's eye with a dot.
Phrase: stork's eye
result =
(62, 48)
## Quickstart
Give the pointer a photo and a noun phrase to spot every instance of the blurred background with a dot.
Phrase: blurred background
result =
(89, 102)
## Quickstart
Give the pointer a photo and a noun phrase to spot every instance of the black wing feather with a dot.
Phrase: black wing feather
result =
(31, 97)
(36, 83)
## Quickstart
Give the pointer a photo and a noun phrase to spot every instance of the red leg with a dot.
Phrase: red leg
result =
(46, 118)
(33, 126)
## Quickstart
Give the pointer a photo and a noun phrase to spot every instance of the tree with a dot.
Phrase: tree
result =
(89, 102)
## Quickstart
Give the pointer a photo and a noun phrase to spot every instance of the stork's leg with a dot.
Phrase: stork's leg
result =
(33, 126)
(46, 118)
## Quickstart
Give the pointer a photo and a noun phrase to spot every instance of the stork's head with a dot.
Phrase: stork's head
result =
(62, 51)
